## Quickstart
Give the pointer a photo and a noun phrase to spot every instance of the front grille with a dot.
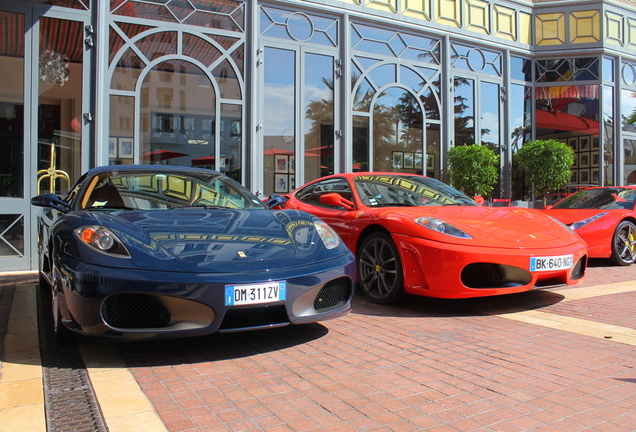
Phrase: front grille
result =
(254, 317)
(333, 293)
(134, 311)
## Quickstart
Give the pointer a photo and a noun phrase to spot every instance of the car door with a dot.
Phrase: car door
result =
(339, 218)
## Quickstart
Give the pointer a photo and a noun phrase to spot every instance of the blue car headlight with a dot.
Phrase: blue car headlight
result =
(441, 227)
(328, 236)
(102, 240)
(582, 223)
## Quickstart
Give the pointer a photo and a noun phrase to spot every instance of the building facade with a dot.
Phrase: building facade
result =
(277, 93)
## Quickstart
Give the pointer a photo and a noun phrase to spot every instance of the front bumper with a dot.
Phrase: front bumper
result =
(444, 270)
(139, 304)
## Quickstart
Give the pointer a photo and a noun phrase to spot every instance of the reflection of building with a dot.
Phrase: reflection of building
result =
(279, 93)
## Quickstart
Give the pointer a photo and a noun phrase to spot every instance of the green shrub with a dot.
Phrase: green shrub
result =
(473, 169)
(546, 165)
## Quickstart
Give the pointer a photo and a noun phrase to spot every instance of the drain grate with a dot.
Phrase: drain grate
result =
(69, 400)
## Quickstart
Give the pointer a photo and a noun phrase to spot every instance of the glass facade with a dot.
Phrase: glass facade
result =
(628, 121)
(12, 134)
(276, 94)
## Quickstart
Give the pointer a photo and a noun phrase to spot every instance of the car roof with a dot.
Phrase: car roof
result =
(607, 187)
(369, 173)
(149, 168)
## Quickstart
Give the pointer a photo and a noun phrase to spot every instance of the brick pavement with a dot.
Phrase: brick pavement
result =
(431, 365)
(511, 363)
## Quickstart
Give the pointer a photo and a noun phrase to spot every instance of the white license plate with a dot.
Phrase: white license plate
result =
(256, 293)
(538, 264)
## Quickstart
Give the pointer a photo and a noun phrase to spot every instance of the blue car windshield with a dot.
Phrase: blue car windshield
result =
(384, 190)
(599, 198)
(152, 190)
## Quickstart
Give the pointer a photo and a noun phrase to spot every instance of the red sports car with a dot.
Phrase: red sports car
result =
(605, 218)
(417, 235)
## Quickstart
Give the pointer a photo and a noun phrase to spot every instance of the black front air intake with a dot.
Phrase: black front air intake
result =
(134, 311)
(489, 275)
(252, 317)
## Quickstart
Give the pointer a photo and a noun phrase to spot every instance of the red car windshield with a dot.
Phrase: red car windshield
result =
(599, 198)
(383, 190)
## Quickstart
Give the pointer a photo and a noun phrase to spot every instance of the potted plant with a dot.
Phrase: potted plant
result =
(473, 169)
(546, 164)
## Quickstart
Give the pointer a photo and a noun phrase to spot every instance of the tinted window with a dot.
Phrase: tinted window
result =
(149, 190)
(602, 198)
(312, 193)
(407, 191)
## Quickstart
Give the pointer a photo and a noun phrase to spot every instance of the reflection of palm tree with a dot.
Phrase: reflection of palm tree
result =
(518, 138)
(400, 123)
(384, 120)
(320, 112)
(411, 119)
(464, 132)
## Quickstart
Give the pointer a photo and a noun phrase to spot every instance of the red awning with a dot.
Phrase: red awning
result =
(205, 160)
(558, 120)
(277, 152)
(161, 155)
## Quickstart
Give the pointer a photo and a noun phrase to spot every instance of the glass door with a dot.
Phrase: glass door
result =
(41, 122)
(59, 105)
(300, 87)
(60, 50)
(14, 199)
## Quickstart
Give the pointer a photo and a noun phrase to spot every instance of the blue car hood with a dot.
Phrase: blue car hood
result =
(196, 240)
(213, 235)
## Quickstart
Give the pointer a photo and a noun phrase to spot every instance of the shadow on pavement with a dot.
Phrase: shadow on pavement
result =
(216, 347)
(417, 306)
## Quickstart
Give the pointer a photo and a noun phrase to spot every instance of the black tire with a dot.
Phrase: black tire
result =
(61, 333)
(624, 244)
(45, 288)
(380, 269)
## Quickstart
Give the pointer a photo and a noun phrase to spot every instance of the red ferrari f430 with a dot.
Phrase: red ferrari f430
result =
(414, 234)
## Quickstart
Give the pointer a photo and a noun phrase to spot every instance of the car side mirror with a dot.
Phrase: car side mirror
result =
(276, 201)
(335, 199)
(548, 207)
(50, 200)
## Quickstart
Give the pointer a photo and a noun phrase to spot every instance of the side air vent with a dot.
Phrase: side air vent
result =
(334, 292)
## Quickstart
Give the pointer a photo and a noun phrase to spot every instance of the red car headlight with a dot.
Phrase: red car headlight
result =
(582, 223)
(441, 227)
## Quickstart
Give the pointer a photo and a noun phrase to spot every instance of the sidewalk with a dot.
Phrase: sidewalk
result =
(554, 360)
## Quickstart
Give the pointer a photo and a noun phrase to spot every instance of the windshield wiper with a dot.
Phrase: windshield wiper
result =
(110, 207)
(394, 205)
(200, 206)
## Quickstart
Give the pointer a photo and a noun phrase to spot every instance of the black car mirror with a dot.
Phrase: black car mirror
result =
(50, 200)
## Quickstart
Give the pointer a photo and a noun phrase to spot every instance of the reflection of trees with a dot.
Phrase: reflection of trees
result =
(464, 132)
(396, 126)
(464, 124)
(320, 112)
(411, 118)
(386, 125)
(517, 136)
